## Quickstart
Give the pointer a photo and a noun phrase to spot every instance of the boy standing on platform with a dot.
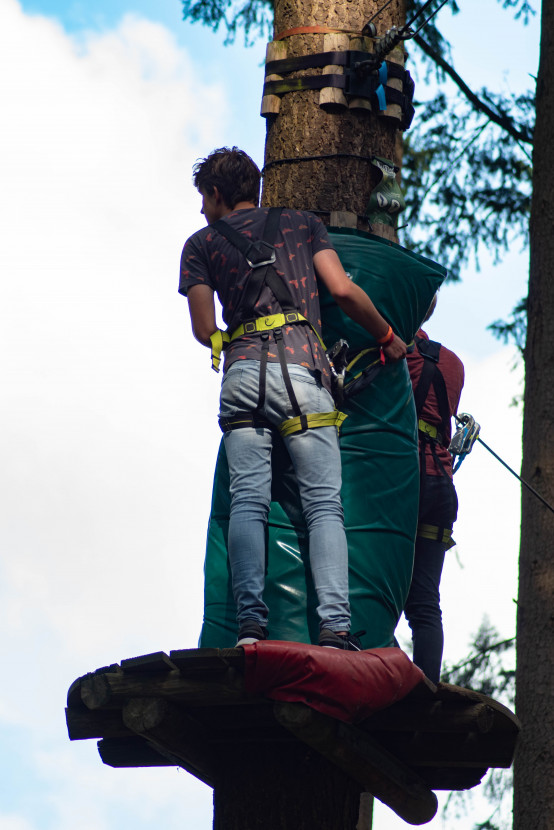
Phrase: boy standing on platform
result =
(276, 377)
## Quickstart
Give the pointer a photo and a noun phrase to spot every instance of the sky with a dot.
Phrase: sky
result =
(108, 422)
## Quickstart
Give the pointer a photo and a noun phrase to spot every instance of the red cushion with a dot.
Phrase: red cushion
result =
(347, 685)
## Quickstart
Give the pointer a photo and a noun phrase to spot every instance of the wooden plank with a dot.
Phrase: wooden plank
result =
(155, 663)
(131, 752)
(504, 718)
(83, 723)
(364, 760)
(114, 689)
(494, 749)
(436, 716)
(452, 778)
(207, 661)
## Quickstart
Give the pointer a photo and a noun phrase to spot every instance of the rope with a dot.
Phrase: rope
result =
(308, 30)
(315, 158)
(513, 472)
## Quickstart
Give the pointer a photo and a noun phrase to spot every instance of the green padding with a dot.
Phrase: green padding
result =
(380, 474)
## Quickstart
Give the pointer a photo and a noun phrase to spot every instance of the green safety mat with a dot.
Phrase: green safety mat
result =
(380, 472)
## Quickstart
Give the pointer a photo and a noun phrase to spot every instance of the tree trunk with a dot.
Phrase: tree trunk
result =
(290, 787)
(534, 764)
(340, 128)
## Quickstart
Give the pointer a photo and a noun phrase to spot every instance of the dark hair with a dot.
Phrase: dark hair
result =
(234, 174)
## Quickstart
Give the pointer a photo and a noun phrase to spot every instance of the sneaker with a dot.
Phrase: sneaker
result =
(349, 642)
(250, 632)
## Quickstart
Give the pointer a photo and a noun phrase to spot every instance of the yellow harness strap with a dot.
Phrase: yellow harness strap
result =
(428, 429)
(219, 339)
(273, 321)
(433, 532)
(312, 421)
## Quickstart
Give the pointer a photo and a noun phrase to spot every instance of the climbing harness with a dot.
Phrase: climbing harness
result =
(430, 434)
(462, 443)
(260, 256)
(431, 375)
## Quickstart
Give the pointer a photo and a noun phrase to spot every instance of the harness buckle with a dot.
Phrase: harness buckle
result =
(250, 327)
(258, 248)
(291, 317)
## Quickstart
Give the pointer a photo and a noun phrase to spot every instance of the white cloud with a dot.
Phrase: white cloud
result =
(105, 496)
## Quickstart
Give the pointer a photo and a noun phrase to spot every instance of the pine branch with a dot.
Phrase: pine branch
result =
(501, 118)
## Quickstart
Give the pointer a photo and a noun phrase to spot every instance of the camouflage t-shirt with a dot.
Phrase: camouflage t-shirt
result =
(208, 258)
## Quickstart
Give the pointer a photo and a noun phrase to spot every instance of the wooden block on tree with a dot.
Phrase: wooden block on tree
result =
(360, 44)
(275, 50)
(343, 219)
(331, 98)
(394, 110)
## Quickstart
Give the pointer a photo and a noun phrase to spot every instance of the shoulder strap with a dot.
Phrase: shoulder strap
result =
(264, 273)
(431, 374)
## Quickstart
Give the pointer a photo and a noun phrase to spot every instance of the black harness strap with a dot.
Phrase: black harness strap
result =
(261, 256)
(432, 376)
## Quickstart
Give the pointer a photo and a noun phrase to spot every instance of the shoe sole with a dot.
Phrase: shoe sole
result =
(247, 641)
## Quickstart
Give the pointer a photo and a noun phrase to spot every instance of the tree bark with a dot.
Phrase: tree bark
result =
(267, 786)
(534, 764)
(303, 128)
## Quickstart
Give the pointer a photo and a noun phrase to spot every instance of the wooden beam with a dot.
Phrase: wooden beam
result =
(173, 733)
(420, 749)
(83, 723)
(437, 716)
(131, 752)
(363, 759)
(113, 689)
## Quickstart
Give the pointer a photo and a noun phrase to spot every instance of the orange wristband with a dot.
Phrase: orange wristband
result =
(387, 339)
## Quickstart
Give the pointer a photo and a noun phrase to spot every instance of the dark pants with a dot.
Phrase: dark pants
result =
(438, 505)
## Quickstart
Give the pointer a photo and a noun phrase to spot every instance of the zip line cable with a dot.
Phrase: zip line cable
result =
(467, 433)
(513, 472)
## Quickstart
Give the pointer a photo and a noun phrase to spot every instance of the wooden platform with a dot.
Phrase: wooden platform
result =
(190, 709)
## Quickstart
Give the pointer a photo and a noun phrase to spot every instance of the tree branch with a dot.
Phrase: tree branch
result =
(502, 119)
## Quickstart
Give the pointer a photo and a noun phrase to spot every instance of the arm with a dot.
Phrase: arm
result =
(202, 312)
(354, 301)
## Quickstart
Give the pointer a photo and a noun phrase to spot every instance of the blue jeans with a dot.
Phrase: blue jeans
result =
(315, 456)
